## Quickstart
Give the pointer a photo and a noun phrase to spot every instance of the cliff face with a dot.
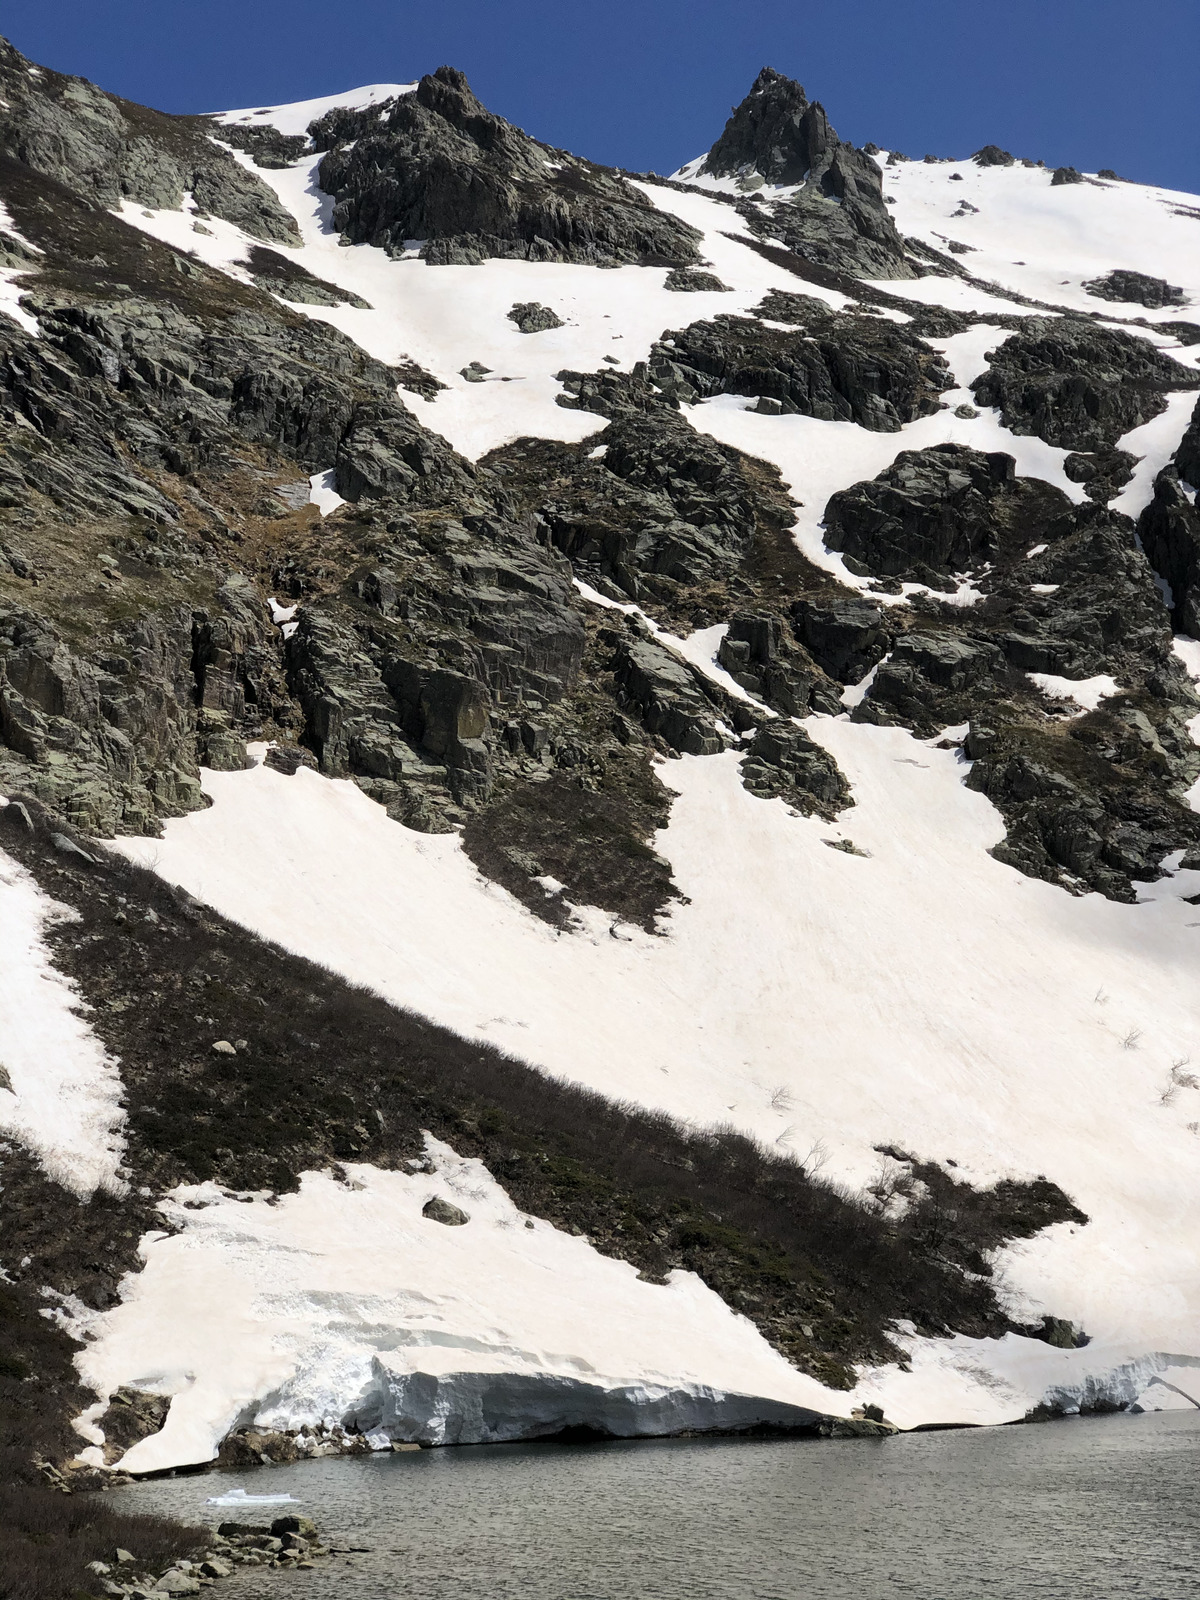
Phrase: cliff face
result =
(642, 714)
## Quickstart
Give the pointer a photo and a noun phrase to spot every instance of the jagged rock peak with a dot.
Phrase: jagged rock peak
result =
(438, 168)
(776, 131)
(838, 217)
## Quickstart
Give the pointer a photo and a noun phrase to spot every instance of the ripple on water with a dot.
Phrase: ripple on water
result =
(1089, 1509)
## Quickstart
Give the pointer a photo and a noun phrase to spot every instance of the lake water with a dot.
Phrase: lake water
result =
(1084, 1509)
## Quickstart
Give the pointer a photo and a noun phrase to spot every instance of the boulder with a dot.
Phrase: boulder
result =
(439, 1210)
(1136, 288)
(845, 635)
(530, 317)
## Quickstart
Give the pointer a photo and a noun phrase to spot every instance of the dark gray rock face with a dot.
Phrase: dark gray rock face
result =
(1187, 457)
(1066, 175)
(1076, 385)
(944, 509)
(783, 762)
(113, 150)
(1169, 529)
(1103, 473)
(672, 700)
(839, 217)
(840, 368)
(1136, 288)
(992, 156)
(665, 501)
(458, 631)
(437, 167)
(845, 634)
(533, 318)
(760, 653)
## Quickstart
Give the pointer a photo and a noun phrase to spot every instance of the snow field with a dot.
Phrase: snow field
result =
(927, 996)
(63, 1094)
(1045, 242)
(294, 118)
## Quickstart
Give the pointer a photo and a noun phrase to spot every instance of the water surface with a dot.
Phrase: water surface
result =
(1083, 1509)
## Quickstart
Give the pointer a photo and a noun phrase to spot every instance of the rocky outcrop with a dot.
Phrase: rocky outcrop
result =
(1076, 385)
(946, 509)
(1187, 457)
(845, 634)
(1169, 529)
(666, 502)
(783, 762)
(671, 699)
(763, 656)
(686, 280)
(1136, 288)
(838, 216)
(267, 147)
(1103, 473)
(438, 170)
(838, 367)
(530, 317)
(112, 150)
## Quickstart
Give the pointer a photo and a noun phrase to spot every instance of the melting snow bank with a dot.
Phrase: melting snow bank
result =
(59, 1091)
(344, 1305)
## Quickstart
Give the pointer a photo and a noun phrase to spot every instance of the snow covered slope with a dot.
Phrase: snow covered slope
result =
(833, 989)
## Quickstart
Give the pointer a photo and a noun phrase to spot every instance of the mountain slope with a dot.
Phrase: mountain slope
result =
(694, 639)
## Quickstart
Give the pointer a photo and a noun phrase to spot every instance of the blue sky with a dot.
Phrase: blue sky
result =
(648, 83)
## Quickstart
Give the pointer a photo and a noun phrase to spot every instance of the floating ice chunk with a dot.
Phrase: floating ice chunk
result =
(239, 1497)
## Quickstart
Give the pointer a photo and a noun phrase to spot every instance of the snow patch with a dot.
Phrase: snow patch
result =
(1085, 692)
(64, 1095)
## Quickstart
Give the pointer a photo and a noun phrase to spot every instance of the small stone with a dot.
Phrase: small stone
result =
(303, 1526)
(222, 1047)
(176, 1582)
(124, 1555)
(966, 412)
(214, 1567)
(439, 1210)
